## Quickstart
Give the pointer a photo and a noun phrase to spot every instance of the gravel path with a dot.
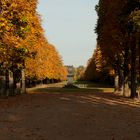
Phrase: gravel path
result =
(69, 116)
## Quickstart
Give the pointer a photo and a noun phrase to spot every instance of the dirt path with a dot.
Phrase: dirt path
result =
(69, 116)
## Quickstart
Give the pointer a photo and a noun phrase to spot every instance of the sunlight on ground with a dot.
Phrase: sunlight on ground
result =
(58, 87)
(61, 113)
(93, 94)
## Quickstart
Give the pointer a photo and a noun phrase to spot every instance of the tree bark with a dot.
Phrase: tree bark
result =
(121, 80)
(116, 83)
(126, 88)
(7, 82)
(139, 73)
(133, 70)
(139, 64)
(3, 85)
(23, 84)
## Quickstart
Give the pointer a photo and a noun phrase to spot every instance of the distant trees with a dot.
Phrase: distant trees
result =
(46, 64)
(97, 69)
(79, 73)
(23, 45)
(118, 30)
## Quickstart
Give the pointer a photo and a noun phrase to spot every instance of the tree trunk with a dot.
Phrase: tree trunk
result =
(116, 83)
(121, 79)
(133, 70)
(3, 85)
(11, 83)
(14, 83)
(138, 43)
(139, 71)
(7, 83)
(126, 88)
(23, 85)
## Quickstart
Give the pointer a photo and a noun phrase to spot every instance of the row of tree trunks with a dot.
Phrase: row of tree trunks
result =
(127, 82)
(9, 84)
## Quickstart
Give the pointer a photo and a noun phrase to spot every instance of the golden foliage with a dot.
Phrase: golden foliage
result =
(22, 40)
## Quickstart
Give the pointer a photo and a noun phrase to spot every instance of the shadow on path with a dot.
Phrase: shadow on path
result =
(69, 115)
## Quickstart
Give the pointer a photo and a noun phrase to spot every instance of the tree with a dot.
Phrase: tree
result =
(131, 24)
(22, 41)
(79, 73)
(47, 62)
(118, 38)
(14, 28)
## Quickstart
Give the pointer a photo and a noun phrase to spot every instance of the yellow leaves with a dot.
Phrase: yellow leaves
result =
(13, 23)
(23, 37)
(47, 63)
(11, 40)
(3, 22)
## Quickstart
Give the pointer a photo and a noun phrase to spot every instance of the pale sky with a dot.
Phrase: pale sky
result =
(69, 25)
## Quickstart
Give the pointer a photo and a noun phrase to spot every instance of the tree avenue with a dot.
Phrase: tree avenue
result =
(23, 46)
(118, 30)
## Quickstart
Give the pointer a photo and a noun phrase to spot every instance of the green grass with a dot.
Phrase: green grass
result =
(58, 88)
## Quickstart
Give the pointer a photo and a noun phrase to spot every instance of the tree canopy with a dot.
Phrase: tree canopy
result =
(23, 43)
